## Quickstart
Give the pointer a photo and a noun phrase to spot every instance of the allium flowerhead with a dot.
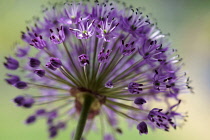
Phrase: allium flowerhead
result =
(106, 51)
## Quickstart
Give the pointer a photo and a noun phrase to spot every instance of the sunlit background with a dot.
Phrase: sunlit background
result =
(188, 22)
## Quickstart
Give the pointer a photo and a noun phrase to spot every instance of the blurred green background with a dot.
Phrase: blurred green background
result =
(188, 22)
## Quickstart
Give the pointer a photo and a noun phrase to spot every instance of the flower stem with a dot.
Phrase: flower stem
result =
(83, 117)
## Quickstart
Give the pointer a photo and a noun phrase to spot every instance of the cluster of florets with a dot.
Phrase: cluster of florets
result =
(117, 56)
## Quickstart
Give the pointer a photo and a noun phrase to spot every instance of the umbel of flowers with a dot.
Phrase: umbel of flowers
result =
(96, 62)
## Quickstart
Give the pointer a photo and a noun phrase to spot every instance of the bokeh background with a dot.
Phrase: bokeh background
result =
(188, 22)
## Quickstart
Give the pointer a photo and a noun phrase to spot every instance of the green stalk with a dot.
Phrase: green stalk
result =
(83, 117)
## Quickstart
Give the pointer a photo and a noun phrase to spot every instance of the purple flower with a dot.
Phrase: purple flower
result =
(53, 114)
(25, 102)
(40, 112)
(142, 127)
(139, 101)
(30, 119)
(19, 100)
(11, 64)
(50, 66)
(73, 14)
(160, 119)
(56, 62)
(21, 52)
(20, 85)
(85, 30)
(38, 42)
(135, 88)
(109, 84)
(83, 59)
(58, 37)
(106, 30)
(13, 79)
(127, 49)
(134, 22)
(53, 132)
(40, 72)
(53, 65)
(34, 62)
(151, 51)
(104, 57)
